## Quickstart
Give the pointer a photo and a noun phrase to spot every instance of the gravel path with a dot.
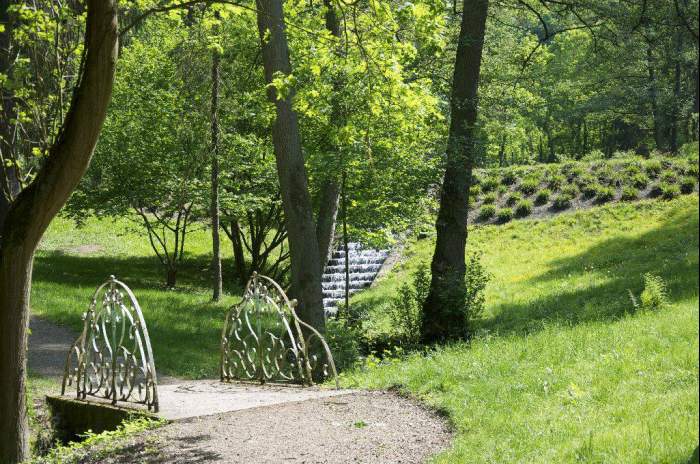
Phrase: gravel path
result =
(365, 427)
(48, 346)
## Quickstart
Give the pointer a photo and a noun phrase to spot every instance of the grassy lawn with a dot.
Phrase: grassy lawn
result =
(563, 370)
(184, 325)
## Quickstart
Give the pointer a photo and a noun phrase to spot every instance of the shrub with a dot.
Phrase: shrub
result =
(489, 198)
(474, 191)
(556, 181)
(508, 177)
(343, 340)
(691, 168)
(590, 190)
(487, 212)
(668, 177)
(593, 155)
(639, 181)
(670, 191)
(489, 184)
(406, 309)
(570, 190)
(687, 185)
(502, 189)
(529, 185)
(604, 194)
(586, 179)
(629, 193)
(654, 296)
(504, 215)
(542, 196)
(572, 171)
(513, 198)
(632, 170)
(653, 167)
(523, 208)
(476, 280)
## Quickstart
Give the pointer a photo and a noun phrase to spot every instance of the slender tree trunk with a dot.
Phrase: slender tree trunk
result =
(294, 186)
(238, 254)
(35, 207)
(443, 317)
(502, 152)
(328, 204)
(346, 247)
(327, 218)
(653, 99)
(677, 91)
(217, 280)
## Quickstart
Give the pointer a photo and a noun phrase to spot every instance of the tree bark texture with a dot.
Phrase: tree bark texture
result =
(653, 98)
(217, 279)
(442, 320)
(293, 180)
(34, 208)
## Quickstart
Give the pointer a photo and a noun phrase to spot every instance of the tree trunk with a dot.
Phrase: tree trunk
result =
(653, 99)
(171, 277)
(327, 218)
(217, 280)
(442, 319)
(676, 92)
(35, 207)
(330, 193)
(294, 186)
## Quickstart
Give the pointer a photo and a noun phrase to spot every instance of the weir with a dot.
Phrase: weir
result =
(364, 264)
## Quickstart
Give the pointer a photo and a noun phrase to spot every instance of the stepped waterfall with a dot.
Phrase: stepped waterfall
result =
(364, 264)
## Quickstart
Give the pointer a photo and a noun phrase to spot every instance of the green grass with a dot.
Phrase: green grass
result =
(184, 325)
(563, 369)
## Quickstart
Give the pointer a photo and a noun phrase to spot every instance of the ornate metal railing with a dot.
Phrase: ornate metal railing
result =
(263, 340)
(112, 357)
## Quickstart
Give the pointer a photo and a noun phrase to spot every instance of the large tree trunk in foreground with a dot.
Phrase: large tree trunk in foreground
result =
(294, 186)
(33, 210)
(217, 280)
(442, 319)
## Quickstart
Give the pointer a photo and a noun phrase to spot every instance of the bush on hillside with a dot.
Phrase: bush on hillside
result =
(487, 212)
(655, 191)
(343, 340)
(542, 196)
(513, 198)
(523, 208)
(629, 193)
(691, 168)
(529, 185)
(504, 215)
(653, 167)
(474, 192)
(687, 185)
(489, 184)
(669, 191)
(508, 177)
(489, 199)
(563, 201)
(502, 190)
(639, 180)
(668, 177)
(604, 194)
(556, 181)
(590, 190)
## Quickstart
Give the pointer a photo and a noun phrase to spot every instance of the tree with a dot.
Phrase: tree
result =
(443, 315)
(298, 212)
(217, 280)
(34, 208)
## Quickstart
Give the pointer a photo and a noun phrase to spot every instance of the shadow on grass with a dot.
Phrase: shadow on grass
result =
(669, 251)
(137, 272)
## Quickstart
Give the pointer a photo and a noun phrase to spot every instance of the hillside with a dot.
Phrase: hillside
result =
(564, 369)
(500, 195)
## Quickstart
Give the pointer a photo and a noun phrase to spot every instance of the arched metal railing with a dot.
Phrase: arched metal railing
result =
(264, 340)
(112, 358)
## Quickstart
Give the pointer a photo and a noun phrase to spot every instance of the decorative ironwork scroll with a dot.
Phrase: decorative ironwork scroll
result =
(112, 357)
(263, 340)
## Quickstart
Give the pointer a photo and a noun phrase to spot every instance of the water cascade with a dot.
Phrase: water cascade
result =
(364, 266)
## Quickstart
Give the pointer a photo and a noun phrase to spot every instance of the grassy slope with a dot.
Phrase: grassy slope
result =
(184, 325)
(562, 371)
